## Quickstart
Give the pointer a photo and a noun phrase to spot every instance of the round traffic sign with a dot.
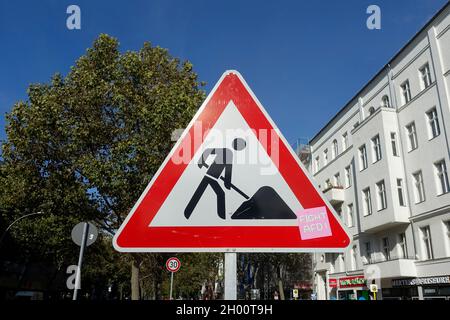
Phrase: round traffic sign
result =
(173, 264)
(77, 233)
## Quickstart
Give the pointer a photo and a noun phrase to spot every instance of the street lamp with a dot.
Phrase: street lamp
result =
(20, 218)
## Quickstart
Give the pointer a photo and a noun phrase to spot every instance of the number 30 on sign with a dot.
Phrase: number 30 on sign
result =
(173, 264)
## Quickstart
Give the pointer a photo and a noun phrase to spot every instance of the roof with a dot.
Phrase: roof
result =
(379, 72)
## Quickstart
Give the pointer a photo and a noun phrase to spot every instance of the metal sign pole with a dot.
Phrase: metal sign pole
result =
(80, 260)
(171, 285)
(230, 275)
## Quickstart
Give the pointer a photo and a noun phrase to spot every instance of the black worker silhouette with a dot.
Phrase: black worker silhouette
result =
(264, 204)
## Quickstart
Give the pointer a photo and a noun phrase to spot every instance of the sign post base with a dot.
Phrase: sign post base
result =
(230, 275)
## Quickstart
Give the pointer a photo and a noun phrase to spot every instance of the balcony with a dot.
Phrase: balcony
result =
(334, 194)
(384, 220)
(323, 266)
(393, 268)
(323, 262)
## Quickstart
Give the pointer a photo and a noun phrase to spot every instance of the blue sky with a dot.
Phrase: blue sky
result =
(303, 59)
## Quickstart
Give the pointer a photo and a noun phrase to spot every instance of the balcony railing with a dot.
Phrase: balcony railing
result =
(367, 261)
(395, 267)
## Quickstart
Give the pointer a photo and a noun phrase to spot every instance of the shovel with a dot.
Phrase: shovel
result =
(232, 185)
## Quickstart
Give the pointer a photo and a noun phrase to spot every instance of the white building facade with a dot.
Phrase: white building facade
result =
(383, 162)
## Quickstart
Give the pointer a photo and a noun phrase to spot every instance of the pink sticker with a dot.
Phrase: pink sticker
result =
(313, 223)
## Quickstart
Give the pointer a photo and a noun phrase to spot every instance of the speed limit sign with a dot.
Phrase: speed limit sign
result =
(173, 264)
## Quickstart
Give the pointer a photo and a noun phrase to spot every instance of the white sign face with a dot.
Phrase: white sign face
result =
(251, 169)
(173, 264)
(295, 293)
(373, 288)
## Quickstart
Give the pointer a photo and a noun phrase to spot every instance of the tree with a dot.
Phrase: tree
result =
(281, 268)
(84, 146)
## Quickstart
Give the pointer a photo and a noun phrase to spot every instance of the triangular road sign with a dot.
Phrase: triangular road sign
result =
(231, 183)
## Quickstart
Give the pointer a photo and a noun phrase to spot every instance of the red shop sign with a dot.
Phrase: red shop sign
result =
(351, 282)
(332, 283)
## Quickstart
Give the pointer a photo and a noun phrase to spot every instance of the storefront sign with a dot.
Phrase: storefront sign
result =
(303, 285)
(351, 282)
(420, 281)
(332, 283)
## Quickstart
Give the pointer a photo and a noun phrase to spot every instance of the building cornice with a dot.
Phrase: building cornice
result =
(394, 76)
(417, 96)
(429, 214)
(432, 261)
(370, 117)
(334, 160)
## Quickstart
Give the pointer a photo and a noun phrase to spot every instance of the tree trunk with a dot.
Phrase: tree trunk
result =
(280, 288)
(255, 276)
(279, 279)
(142, 291)
(135, 278)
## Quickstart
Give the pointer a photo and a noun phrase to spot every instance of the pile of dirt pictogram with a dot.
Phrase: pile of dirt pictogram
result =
(265, 204)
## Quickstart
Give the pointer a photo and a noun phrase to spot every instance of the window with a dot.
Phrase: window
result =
(368, 252)
(433, 124)
(425, 76)
(401, 193)
(403, 246)
(350, 216)
(419, 190)
(394, 144)
(426, 243)
(381, 191)
(345, 141)
(406, 91)
(376, 148)
(317, 163)
(385, 102)
(363, 157)
(386, 248)
(329, 257)
(342, 262)
(354, 266)
(367, 201)
(335, 148)
(325, 157)
(337, 180)
(447, 228)
(339, 212)
(348, 176)
(447, 231)
(412, 136)
(442, 177)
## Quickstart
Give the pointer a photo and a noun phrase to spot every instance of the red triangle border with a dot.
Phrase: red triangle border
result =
(135, 235)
